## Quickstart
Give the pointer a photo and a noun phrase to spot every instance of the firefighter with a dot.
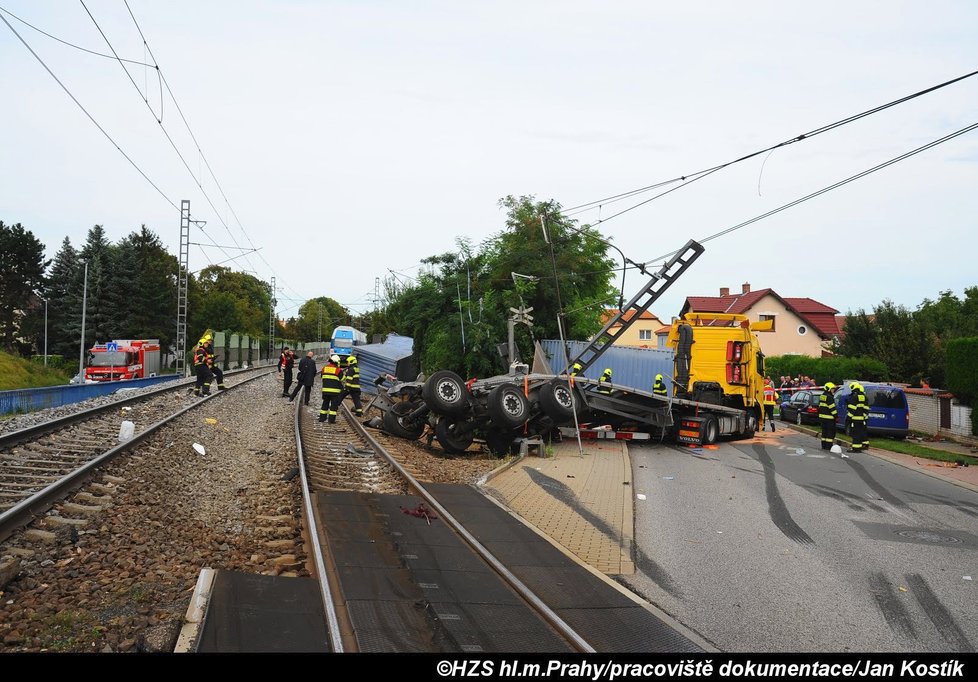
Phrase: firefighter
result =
(769, 400)
(351, 384)
(858, 413)
(213, 366)
(204, 376)
(285, 363)
(604, 383)
(332, 389)
(659, 387)
(827, 414)
(576, 369)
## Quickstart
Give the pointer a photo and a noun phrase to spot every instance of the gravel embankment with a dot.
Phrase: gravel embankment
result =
(113, 568)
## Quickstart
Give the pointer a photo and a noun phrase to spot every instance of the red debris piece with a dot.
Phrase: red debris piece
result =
(421, 512)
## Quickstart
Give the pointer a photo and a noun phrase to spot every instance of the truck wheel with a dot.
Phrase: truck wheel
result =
(445, 393)
(556, 401)
(451, 437)
(499, 442)
(395, 424)
(507, 407)
(709, 430)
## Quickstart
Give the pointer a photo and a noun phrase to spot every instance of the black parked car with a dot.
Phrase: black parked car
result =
(802, 407)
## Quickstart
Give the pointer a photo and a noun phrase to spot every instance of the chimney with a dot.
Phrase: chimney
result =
(724, 291)
(745, 288)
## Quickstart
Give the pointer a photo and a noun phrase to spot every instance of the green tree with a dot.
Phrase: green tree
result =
(860, 335)
(144, 287)
(59, 290)
(224, 299)
(320, 309)
(457, 308)
(98, 254)
(22, 268)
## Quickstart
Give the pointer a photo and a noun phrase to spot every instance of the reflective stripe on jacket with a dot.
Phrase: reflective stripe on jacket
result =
(332, 379)
(826, 407)
(858, 408)
(352, 377)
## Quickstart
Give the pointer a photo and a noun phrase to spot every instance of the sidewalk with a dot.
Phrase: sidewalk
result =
(966, 477)
(582, 503)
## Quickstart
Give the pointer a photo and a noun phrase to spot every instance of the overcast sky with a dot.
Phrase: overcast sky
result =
(355, 138)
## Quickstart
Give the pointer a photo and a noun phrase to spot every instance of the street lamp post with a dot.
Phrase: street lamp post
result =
(45, 332)
(81, 349)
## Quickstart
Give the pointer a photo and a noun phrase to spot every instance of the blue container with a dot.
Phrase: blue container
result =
(393, 356)
(630, 367)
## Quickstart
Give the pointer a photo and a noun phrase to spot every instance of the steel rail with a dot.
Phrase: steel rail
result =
(25, 511)
(329, 606)
(31, 432)
(548, 614)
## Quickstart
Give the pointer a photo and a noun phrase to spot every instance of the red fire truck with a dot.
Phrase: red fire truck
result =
(123, 359)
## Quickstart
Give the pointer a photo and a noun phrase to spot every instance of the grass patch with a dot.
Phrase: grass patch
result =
(908, 448)
(16, 373)
(70, 631)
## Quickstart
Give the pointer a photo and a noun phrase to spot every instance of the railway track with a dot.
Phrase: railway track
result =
(41, 464)
(343, 464)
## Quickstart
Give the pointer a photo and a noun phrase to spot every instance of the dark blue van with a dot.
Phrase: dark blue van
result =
(888, 411)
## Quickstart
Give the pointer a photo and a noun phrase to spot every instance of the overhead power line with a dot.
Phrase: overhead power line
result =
(90, 117)
(690, 178)
(77, 47)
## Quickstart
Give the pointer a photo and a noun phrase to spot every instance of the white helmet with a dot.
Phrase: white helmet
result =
(334, 359)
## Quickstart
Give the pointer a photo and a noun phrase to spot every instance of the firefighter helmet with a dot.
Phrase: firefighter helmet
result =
(829, 386)
(335, 359)
(352, 360)
(607, 372)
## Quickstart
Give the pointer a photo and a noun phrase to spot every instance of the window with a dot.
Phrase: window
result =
(765, 318)
(802, 330)
(644, 334)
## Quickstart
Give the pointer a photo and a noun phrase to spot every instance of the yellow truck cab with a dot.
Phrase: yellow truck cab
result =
(718, 360)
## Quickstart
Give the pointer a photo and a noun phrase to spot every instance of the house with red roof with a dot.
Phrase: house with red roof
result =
(640, 335)
(802, 326)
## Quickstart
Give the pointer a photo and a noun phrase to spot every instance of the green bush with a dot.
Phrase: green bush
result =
(962, 369)
(962, 373)
(833, 368)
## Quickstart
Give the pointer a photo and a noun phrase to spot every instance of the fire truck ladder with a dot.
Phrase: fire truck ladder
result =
(641, 302)
(181, 342)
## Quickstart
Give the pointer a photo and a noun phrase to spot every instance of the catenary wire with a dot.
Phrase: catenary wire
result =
(90, 117)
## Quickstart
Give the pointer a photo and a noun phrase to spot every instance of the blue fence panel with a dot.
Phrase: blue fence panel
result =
(31, 399)
(630, 367)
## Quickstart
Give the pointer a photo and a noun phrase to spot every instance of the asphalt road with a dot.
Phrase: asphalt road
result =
(772, 544)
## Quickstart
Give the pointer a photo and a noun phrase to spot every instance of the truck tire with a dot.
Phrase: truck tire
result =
(499, 442)
(507, 406)
(395, 425)
(449, 434)
(710, 430)
(556, 401)
(445, 393)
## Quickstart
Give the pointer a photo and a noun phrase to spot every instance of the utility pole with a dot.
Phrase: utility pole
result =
(376, 293)
(182, 276)
(319, 333)
(81, 349)
(271, 321)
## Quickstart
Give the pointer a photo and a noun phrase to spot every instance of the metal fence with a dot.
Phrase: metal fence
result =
(30, 399)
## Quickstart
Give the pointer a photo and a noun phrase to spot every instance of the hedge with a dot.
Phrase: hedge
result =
(962, 370)
(833, 368)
